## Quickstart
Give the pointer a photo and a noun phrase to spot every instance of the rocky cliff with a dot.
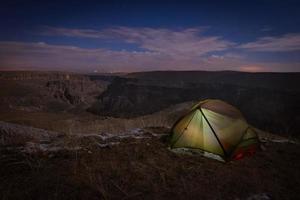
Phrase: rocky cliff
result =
(272, 109)
(47, 91)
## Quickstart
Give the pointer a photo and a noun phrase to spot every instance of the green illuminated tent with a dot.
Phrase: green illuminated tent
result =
(215, 128)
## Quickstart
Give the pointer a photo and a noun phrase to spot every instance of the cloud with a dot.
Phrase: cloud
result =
(183, 43)
(43, 56)
(158, 49)
(285, 43)
(187, 42)
(59, 31)
(217, 56)
(61, 57)
(266, 29)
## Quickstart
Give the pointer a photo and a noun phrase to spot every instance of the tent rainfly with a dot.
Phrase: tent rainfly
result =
(216, 129)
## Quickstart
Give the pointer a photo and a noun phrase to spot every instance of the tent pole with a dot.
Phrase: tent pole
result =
(225, 153)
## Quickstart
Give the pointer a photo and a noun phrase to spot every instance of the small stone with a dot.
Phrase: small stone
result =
(51, 155)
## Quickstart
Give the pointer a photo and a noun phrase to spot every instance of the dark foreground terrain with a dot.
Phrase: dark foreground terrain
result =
(143, 168)
(72, 136)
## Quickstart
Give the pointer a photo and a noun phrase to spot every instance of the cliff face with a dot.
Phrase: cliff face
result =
(75, 91)
(271, 109)
(47, 91)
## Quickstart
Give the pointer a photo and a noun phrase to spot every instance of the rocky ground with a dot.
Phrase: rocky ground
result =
(138, 165)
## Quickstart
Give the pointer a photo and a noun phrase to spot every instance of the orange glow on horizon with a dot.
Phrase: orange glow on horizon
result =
(252, 68)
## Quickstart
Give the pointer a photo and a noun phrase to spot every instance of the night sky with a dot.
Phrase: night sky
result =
(125, 36)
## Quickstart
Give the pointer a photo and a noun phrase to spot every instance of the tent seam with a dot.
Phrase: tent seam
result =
(183, 130)
(215, 134)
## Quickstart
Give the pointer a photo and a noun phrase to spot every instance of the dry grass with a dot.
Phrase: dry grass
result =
(87, 123)
(145, 169)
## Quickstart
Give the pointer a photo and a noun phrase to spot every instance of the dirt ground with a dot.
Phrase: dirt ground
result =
(146, 169)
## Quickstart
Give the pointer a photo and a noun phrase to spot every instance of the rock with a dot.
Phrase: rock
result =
(262, 196)
(14, 134)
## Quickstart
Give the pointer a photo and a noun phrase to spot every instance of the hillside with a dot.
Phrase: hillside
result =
(268, 100)
(274, 81)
